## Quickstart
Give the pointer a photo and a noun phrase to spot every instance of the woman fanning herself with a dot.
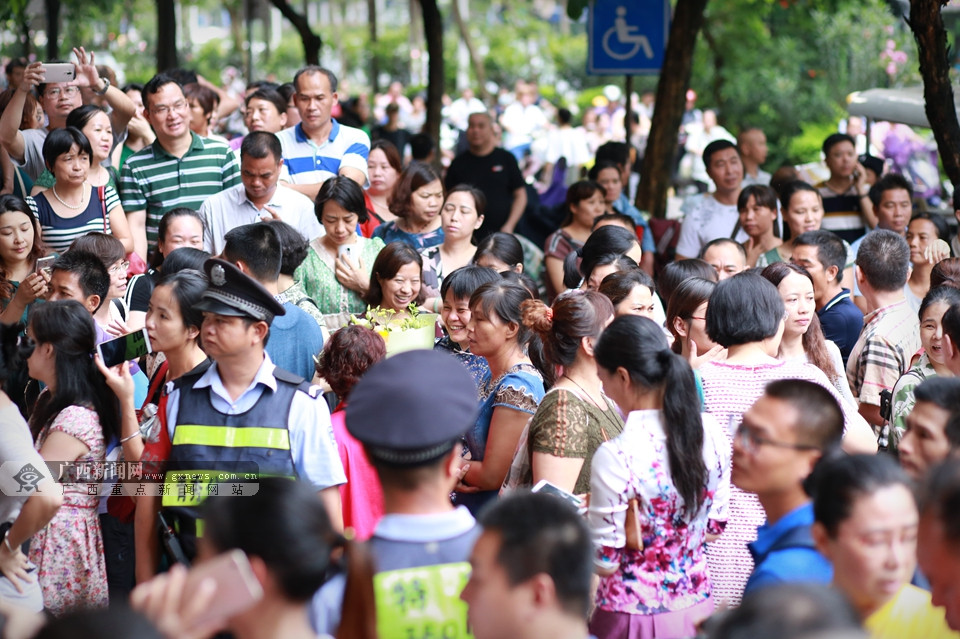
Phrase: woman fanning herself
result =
(72, 207)
(336, 271)
(395, 279)
(933, 360)
(757, 206)
(462, 214)
(668, 475)
(384, 166)
(574, 417)
(416, 202)
(803, 338)
(866, 523)
(584, 204)
(20, 247)
(74, 418)
(507, 399)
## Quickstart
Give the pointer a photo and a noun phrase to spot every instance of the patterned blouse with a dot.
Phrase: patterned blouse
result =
(475, 365)
(903, 399)
(320, 282)
(670, 573)
(390, 232)
(520, 388)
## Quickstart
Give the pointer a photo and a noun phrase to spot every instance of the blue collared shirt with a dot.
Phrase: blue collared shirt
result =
(787, 565)
(312, 444)
(310, 163)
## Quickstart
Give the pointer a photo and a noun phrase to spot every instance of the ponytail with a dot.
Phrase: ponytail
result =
(684, 430)
(638, 345)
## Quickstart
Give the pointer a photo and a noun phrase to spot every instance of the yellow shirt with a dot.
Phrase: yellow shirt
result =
(909, 614)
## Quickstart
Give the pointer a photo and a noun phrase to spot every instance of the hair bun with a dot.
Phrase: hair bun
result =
(537, 316)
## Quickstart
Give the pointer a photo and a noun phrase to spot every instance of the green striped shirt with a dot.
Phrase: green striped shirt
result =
(155, 181)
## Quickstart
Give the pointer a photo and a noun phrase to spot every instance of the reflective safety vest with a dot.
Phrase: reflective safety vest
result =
(422, 603)
(214, 454)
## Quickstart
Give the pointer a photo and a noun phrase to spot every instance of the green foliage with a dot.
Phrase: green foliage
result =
(810, 140)
(788, 65)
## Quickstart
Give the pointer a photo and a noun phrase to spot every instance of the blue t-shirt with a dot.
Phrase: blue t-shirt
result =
(790, 564)
(295, 339)
(841, 322)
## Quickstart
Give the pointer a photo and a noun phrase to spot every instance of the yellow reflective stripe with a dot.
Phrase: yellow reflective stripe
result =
(199, 525)
(232, 437)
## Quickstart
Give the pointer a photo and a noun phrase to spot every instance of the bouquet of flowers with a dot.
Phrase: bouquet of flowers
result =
(413, 330)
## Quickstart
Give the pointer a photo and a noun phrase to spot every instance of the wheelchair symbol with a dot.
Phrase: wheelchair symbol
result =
(626, 36)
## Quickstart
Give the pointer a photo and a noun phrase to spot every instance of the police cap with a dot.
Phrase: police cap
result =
(231, 292)
(410, 409)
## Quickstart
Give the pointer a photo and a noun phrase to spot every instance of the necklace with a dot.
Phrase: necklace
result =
(60, 200)
(589, 396)
(605, 410)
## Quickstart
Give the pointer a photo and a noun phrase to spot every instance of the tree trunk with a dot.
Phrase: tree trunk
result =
(166, 35)
(657, 165)
(927, 26)
(718, 63)
(475, 60)
(52, 10)
(433, 28)
(311, 41)
(374, 63)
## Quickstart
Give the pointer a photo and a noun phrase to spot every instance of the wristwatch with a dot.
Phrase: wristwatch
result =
(106, 86)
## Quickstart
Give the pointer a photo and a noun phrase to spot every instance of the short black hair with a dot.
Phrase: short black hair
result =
(834, 139)
(343, 192)
(676, 272)
(715, 147)
(940, 498)
(884, 260)
(732, 322)
(622, 219)
(258, 247)
(819, 417)
(157, 82)
(616, 152)
(421, 146)
(845, 479)
(720, 241)
(762, 195)
(60, 141)
(259, 144)
(183, 259)
(465, 280)
(938, 221)
(92, 275)
(830, 249)
(16, 63)
(542, 534)
(951, 324)
(270, 95)
(889, 182)
(942, 392)
(293, 246)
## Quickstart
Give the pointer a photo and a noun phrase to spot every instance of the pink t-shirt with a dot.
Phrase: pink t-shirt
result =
(362, 496)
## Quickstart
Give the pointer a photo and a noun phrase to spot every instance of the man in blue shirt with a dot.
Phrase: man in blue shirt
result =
(824, 256)
(782, 437)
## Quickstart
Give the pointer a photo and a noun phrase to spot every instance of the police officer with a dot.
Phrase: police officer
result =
(421, 545)
(242, 414)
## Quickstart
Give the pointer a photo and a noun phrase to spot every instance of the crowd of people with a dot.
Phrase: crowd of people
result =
(749, 430)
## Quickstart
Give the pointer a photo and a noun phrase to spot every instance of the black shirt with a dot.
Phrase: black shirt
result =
(497, 175)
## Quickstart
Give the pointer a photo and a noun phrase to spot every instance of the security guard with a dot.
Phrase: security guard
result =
(420, 548)
(242, 414)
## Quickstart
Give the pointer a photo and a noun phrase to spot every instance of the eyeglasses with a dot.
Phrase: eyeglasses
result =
(164, 109)
(751, 442)
(119, 268)
(69, 91)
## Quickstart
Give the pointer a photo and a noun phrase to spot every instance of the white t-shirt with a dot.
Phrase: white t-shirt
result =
(707, 221)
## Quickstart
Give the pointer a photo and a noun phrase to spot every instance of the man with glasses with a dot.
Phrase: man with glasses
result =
(57, 99)
(319, 147)
(778, 444)
(180, 168)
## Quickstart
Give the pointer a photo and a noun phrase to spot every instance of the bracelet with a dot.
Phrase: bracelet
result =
(436, 304)
(6, 542)
(106, 86)
(129, 437)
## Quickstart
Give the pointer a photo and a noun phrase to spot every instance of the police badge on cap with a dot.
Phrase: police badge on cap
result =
(231, 292)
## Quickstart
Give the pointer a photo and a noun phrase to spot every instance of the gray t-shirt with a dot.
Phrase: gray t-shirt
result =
(33, 140)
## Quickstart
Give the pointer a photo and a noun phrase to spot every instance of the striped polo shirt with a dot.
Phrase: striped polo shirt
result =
(155, 181)
(310, 163)
(841, 212)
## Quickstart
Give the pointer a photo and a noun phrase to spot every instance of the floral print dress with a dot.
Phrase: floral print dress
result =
(670, 574)
(68, 552)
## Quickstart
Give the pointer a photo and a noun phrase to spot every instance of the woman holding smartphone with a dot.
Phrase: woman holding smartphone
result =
(336, 271)
(21, 282)
(74, 417)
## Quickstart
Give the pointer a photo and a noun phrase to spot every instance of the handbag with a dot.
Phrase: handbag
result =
(631, 525)
(137, 265)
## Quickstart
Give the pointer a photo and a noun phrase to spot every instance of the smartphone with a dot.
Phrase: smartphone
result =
(59, 72)
(346, 249)
(543, 486)
(237, 588)
(124, 348)
(45, 263)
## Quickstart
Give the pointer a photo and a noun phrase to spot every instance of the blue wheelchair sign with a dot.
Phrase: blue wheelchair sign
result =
(627, 37)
